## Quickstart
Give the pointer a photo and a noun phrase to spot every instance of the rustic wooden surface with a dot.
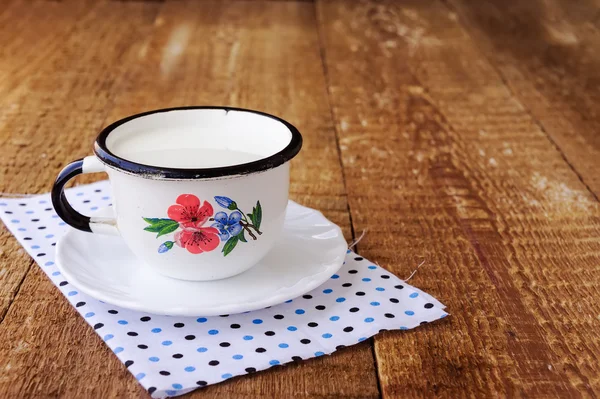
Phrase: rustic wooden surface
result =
(459, 132)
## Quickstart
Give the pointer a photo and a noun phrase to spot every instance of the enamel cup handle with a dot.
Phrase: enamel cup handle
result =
(65, 210)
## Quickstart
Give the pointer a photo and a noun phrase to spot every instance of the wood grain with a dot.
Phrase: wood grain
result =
(444, 163)
(261, 55)
(546, 52)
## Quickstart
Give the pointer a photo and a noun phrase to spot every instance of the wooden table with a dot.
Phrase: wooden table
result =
(459, 132)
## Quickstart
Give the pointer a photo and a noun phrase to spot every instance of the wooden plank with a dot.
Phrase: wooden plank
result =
(547, 52)
(444, 164)
(261, 55)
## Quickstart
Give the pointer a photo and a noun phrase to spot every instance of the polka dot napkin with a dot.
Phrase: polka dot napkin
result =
(171, 356)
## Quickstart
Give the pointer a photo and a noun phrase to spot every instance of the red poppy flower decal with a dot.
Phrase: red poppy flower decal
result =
(187, 219)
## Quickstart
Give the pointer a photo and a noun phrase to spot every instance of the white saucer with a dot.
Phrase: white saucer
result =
(310, 250)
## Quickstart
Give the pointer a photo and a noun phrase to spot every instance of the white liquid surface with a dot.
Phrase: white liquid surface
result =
(190, 158)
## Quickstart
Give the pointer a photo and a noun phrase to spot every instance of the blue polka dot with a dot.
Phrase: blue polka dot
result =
(257, 321)
(22, 229)
(156, 330)
(105, 198)
(292, 328)
(289, 301)
(29, 212)
(403, 328)
(340, 299)
(319, 353)
(3, 204)
(372, 267)
(61, 223)
(118, 349)
(48, 263)
(170, 392)
(201, 320)
(189, 369)
(366, 279)
(327, 291)
(177, 386)
(202, 349)
(226, 376)
(123, 322)
(444, 315)
(35, 246)
(55, 273)
(375, 304)
(140, 376)
(50, 236)
(79, 194)
(14, 221)
(348, 251)
(54, 216)
(153, 359)
(167, 343)
(237, 357)
(369, 320)
(93, 208)
(335, 276)
(42, 201)
(380, 289)
(108, 337)
(72, 293)
(248, 337)
(300, 311)
(361, 339)
(414, 295)
(89, 314)
(409, 313)
(274, 362)
(283, 345)
(334, 318)
(327, 335)
(213, 332)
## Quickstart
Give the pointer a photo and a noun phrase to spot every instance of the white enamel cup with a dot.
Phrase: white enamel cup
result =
(203, 217)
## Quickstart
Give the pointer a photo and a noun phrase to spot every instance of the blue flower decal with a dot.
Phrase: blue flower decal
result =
(228, 226)
(164, 247)
(226, 202)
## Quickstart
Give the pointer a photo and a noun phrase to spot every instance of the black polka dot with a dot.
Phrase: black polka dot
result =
(177, 356)
(48, 209)
(145, 318)
(348, 329)
(178, 325)
(151, 390)
(347, 285)
(80, 304)
(354, 310)
(320, 307)
(190, 337)
(112, 311)
(164, 372)
(358, 258)
(128, 363)
(53, 244)
(394, 300)
(352, 271)
(385, 276)
(224, 344)
(132, 334)
(305, 341)
(142, 346)
(260, 350)
(423, 322)
(62, 283)
(278, 316)
(389, 315)
(360, 293)
(41, 227)
(428, 305)
(41, 254)
(27, 238)
(235, 326)
(86, 201)
(98, 325)
(22, 204)
(35, 220)
(213, 363)
(307, 296)
(8, 212)
(250, 370)
(269, 333)
(312, 324)
(399, 286)
(296, 358)
(202, 383)
(337, 348)
(97, 190)
(224, 315)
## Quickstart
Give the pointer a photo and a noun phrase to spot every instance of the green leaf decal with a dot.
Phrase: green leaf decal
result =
(251, 216)
(161, 226)
(241, 236)
(229, 245)
(257, 215)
